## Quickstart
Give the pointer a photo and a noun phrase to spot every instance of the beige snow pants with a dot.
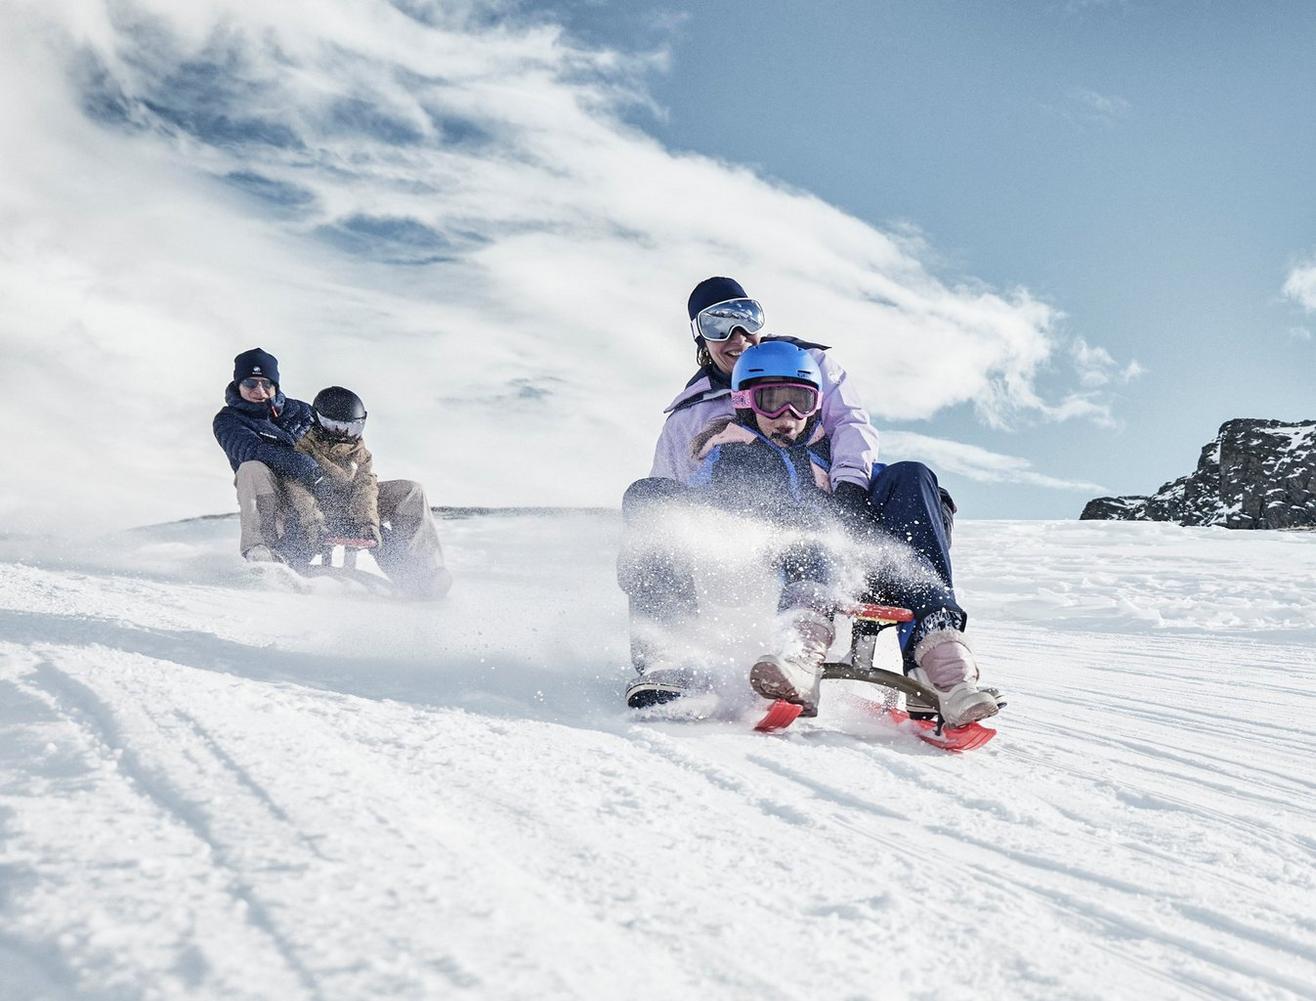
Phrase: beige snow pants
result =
(409, 553)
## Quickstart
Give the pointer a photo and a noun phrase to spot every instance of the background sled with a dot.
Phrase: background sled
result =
(338, 561)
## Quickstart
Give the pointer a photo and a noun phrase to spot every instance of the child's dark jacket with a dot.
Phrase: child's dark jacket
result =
(744, 471)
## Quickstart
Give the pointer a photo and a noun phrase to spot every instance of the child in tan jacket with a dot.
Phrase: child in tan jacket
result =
(344, 502)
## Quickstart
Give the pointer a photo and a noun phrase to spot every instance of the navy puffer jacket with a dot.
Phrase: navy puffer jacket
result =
(266, 432)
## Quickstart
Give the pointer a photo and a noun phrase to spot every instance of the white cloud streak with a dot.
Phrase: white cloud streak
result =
(1105, 109)
(438, 205)
(1087, 108)
(976, 463)
(1096, 367)
(1300, 285)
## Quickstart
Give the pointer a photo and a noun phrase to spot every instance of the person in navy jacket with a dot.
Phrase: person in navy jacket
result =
(258, 430)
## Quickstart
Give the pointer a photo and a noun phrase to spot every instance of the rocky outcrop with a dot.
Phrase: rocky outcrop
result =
(1131, 508)
(1255, 474)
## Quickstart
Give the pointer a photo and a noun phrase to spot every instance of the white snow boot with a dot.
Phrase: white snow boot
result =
(663, 684)
(946, 665)
(796, 675)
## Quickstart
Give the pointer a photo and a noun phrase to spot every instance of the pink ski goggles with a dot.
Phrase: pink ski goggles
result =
(772, 399)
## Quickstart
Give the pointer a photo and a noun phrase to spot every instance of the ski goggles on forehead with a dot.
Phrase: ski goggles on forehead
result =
(346, 429)
(773, 399)
(716, 322)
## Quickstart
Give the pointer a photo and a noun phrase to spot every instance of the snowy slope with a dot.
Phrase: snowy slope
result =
(214, 789)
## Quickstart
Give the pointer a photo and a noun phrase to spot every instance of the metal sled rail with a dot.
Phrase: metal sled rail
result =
(878, 676)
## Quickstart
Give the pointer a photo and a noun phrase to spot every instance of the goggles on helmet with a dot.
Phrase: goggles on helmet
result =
(716, 322)
(342, 429)
(772, 399)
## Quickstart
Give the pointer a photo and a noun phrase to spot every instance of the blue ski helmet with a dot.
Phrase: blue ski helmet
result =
(776, 360)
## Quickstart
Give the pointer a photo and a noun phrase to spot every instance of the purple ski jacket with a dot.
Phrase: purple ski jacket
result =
(845, 422)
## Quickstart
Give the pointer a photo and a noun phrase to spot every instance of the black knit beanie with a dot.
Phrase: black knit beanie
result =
(713, 290)
(256, 362)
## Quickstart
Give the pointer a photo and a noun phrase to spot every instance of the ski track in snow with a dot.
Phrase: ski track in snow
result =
(215, 789)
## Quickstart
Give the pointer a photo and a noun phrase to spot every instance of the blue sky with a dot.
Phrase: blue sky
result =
(1054, 244)
(1146, 168)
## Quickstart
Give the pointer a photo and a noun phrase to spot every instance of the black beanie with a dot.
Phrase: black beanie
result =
(258, 362)
(713, 290)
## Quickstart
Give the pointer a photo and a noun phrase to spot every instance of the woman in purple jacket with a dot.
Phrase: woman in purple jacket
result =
(725, 322)
(905, 499)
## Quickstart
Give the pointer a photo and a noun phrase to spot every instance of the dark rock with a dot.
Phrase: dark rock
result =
(1254, 474)
(1115, 509)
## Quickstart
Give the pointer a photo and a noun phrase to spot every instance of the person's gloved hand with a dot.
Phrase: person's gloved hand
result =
(948, 509)
(850, 501)
(307, 469)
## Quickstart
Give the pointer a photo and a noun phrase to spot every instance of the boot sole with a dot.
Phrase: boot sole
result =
(652, 695)
(767, 680)
(976, 713)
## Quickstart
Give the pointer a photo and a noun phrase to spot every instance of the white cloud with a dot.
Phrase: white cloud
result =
(1084, 107)
(1094, 364)
(975, 463)
(1096, 367)
(1103, 108)
(438, 205)
(1299, 333)
(1300, 285)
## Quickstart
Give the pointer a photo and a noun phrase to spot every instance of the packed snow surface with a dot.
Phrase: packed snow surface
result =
(212, 787)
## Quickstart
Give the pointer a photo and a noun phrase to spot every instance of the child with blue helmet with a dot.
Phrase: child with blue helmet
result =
(771, 459)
